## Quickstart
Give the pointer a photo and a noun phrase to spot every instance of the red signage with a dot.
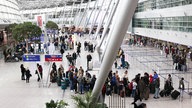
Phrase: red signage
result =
(39, 21)
(53, 58)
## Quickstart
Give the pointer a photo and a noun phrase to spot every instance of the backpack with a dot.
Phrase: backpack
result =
(113, 80)
(40, 69)
(130, 85)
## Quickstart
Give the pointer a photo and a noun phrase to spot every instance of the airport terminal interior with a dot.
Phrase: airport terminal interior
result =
(95, 53)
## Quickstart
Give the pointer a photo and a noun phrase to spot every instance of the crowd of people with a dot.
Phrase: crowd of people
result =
(81, 81)
(179, 55)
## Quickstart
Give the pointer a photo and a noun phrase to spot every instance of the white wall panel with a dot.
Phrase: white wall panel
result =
(183, 38)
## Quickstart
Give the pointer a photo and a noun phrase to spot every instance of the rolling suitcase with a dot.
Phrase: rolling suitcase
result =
(122, 93)
(152, 88)
(175, 94)
(162, 93)
(58, 81)
(146, 94)
(127, 92)
(126, 65)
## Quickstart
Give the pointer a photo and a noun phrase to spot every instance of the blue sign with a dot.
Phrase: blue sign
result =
(53, 57)
(31, 58)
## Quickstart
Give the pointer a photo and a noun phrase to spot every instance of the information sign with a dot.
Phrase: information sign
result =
(31, 58)
(53, 57)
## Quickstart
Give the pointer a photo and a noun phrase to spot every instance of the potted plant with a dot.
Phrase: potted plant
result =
(53, 104)
(85, 101)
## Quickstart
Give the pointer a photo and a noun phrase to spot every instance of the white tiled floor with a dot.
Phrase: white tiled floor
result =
(15, 93)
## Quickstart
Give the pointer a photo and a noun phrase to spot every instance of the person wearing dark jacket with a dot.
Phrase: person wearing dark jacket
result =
(78, 51)
(157, 85)
(22, 72)
(92, 82)
(89, 58)
(39, 72)
(74, 55)
(62, 51)
(28, 75)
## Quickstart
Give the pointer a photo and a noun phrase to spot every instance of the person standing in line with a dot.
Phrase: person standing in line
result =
(181, 86)
(75, 82)
(81, 83)
(125, 79)
(157, 85)
(71, 80)
(134, 88)
(166, 51)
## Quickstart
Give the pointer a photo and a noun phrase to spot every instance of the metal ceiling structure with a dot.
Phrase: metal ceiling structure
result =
(40, 4)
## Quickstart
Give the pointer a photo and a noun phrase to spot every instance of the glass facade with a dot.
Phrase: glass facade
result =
(160, 4)
(183, 24)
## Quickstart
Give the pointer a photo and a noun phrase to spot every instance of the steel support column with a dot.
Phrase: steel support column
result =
(124, 15)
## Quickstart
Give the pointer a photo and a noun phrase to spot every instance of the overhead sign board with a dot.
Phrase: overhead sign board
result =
(31, 58)
(53, 57)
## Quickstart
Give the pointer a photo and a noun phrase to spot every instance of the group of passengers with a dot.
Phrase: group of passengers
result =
(65, 42)
(26, 73)
(80, 81)
(179, 56)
